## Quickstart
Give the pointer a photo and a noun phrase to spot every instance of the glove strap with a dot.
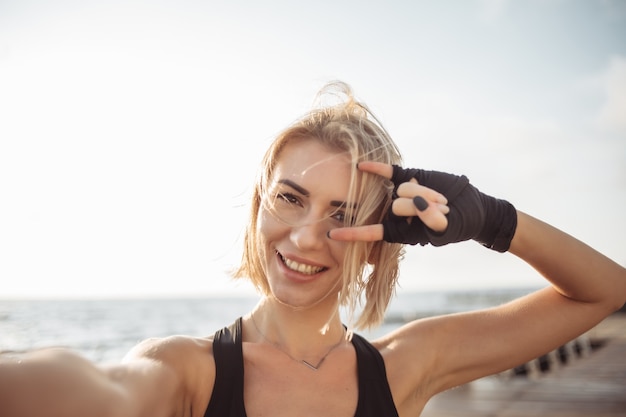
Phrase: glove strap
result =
(500, 224)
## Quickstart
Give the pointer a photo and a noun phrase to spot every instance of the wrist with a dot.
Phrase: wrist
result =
(500, 224)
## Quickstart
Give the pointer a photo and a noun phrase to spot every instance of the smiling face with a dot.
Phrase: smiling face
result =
(304, 178)
(306, 199)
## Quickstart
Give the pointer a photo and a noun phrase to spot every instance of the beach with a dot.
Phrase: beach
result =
(592, 385)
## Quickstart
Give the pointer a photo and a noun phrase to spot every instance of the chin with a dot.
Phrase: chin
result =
(303, 299)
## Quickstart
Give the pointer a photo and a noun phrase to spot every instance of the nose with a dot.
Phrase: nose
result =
(309, 236)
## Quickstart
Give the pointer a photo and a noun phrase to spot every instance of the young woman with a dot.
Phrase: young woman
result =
(331, 214)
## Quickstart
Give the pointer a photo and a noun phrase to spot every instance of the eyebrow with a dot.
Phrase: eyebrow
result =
(306, 193)
(295, 186)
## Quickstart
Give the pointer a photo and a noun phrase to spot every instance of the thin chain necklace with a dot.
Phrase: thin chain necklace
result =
(301, 361)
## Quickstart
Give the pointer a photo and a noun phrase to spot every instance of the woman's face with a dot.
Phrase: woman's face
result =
(307, 198)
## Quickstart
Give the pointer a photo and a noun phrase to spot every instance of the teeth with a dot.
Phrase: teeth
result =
(302, 268)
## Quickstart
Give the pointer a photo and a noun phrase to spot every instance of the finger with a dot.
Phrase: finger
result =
(411, 189)
(443, 208)
(368, 233)
(432, 215)
(378, 168)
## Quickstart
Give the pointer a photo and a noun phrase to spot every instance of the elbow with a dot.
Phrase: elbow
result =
(611, 289)
(616, 299)
(619, 306)
(619, 293)
(613, 302)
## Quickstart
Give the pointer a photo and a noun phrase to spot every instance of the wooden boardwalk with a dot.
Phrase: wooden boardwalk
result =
(591, 386)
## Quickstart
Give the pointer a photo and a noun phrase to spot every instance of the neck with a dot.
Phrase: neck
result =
(304, 334)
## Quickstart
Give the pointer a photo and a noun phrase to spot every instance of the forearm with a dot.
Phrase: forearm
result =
(576, 270)
(55, 382)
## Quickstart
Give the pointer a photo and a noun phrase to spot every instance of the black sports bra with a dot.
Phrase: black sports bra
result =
(375, 398)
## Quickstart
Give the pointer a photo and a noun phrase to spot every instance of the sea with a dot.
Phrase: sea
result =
(104, 330)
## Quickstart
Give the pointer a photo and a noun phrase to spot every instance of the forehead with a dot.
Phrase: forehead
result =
(310, 163)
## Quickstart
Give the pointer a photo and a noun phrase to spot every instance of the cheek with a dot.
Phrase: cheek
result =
(339, 251)
(268, 228)
(357, 251)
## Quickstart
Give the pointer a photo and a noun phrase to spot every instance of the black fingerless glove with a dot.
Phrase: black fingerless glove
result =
(473, 215)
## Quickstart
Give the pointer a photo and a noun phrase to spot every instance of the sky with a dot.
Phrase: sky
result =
(131, 131)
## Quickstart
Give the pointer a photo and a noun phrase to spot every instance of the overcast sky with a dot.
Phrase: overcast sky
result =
(130, 131)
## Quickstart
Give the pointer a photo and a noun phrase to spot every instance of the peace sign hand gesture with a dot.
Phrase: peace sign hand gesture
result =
(437, 208)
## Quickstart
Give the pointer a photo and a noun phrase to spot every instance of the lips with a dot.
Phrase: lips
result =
(301, 268)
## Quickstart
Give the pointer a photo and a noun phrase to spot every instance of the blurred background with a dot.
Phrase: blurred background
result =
(131, 131)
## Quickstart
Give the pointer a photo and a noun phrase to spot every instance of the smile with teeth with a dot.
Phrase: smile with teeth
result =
(301, 268)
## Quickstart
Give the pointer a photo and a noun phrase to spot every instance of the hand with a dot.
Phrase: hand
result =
(437, 208)
(414, 206)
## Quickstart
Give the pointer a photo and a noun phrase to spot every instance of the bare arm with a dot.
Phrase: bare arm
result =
(61, 383)
(438, 353)
(586, 288)
(577, 271)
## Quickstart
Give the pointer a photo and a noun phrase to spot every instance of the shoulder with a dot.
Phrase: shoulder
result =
(170, 349)
(185, 364)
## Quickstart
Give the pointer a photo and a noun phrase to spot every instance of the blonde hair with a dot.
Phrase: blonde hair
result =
(370, 269)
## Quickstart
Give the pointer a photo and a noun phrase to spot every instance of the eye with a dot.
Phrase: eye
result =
(339, 216)
(288, 198)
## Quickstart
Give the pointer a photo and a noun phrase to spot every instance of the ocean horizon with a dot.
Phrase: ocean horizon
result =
(105, 329)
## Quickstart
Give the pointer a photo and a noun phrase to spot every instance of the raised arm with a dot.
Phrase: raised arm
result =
(438, 353)
(586, 287)
(575, 270)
